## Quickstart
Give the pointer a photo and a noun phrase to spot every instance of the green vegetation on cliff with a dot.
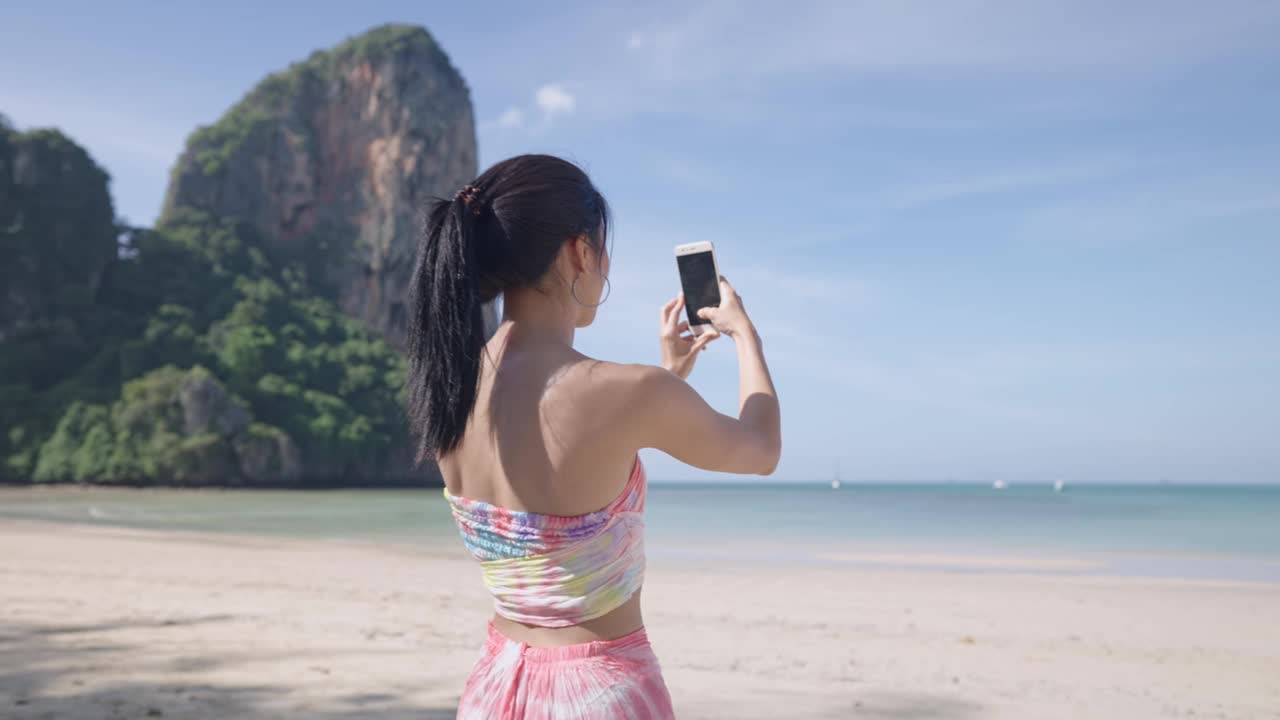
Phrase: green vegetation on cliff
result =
(281, 92)
(57, 243)
(104, 370)
(248, 337)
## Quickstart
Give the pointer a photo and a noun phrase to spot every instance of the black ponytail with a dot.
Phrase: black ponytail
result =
(502, 230)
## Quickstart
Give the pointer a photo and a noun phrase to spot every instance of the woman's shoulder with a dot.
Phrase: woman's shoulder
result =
(615, 377)
(604, 384)
(623, 398)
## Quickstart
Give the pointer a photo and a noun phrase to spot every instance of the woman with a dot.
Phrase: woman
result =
(538, 443)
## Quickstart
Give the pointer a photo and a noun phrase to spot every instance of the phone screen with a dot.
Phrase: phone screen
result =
(700, 284)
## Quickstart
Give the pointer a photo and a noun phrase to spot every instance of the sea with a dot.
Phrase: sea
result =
(1207, 532)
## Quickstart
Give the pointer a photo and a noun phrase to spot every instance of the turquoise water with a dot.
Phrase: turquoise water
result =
(1229, 532)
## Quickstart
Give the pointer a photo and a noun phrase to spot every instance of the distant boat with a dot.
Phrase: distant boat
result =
(835, 479)
(999, 485)
(1058, 485)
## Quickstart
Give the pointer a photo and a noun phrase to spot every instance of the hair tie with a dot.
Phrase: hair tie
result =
(468, 195)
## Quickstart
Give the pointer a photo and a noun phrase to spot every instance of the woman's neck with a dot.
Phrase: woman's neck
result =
(532, 314)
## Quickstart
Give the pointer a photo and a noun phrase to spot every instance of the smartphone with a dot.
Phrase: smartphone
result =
(700, 280)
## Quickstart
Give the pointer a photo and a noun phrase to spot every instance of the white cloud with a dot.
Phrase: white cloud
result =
(799, 287)
(694, 60)
(689, 172)
(553, 99)
(966, 33)
(998, 182)
(1186, 201)
(512, 117)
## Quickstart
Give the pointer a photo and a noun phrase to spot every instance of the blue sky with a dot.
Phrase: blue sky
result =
(983, 240)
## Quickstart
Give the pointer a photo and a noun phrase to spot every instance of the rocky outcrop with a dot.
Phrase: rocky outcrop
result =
(104, 331)
(171, 426)
(266, 454)
(207, 407)
(226, 444)
(57, 234)
(332, 160)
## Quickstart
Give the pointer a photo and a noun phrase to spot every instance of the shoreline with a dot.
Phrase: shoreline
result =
(103, 621)
(427, 483)
(874, 555)
(407, 483)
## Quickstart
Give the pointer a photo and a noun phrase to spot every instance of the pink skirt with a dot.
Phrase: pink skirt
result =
(617, 678)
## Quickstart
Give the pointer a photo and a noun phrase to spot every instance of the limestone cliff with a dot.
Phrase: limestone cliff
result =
(57, 234)
(332, 160)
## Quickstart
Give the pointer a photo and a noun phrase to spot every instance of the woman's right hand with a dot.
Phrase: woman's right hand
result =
(668, 414)
(729, 317)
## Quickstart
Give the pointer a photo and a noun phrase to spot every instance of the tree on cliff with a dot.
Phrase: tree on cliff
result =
(331, 160)
(271, 286)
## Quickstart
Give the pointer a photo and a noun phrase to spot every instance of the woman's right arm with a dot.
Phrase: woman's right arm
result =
(671, 416)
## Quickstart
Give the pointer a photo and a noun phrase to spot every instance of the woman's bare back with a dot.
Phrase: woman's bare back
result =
(546, 437)
(548, 433)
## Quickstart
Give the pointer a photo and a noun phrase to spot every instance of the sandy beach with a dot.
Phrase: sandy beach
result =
(100, 622)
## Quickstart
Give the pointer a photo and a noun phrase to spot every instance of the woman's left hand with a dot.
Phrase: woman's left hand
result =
(679, 351)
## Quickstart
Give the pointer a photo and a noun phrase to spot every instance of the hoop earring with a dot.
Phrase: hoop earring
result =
(573, 290)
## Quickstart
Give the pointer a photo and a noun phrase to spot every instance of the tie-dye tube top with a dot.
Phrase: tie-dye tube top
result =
(558, 570)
